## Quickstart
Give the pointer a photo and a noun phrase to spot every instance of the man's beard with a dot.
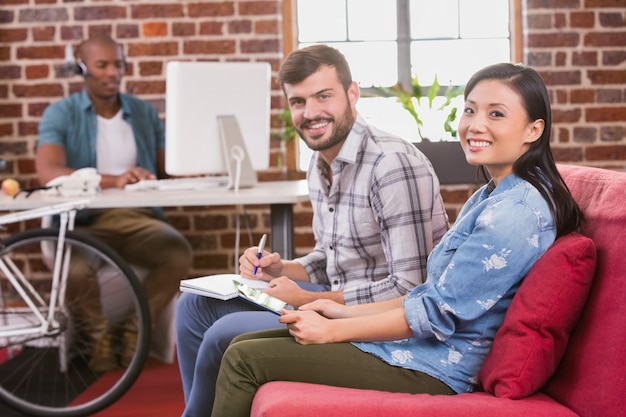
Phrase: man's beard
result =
(341, 129)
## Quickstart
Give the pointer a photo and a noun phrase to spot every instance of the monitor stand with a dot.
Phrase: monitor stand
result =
(241, 174)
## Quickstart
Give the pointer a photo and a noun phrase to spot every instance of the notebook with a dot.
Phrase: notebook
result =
(229, 286)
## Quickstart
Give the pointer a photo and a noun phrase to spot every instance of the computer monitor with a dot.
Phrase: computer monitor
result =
(198, 94)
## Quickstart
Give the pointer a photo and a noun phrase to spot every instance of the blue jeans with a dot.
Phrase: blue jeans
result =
(204, 329)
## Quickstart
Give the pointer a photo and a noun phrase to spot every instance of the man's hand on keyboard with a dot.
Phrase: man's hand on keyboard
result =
(131, 176)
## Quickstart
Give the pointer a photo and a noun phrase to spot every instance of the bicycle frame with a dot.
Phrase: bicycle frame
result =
(41, 325)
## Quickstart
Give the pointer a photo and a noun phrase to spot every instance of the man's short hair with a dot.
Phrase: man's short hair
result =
(301, 63)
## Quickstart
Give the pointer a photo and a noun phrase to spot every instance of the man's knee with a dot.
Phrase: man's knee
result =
(193, 308)
(186, 304)
(223, 331)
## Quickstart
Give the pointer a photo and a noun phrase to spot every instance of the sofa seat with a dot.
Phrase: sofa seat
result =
(297, 399)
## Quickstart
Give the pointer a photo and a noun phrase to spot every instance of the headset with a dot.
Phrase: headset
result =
(79, 66)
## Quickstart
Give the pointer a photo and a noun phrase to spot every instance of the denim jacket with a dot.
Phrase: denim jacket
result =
(473, 274)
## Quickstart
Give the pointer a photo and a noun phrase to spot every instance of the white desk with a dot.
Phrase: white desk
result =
(280, 195)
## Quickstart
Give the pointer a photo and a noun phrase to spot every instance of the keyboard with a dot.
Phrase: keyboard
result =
(178, 184)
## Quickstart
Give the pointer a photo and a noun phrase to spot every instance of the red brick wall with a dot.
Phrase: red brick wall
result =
(579, 46)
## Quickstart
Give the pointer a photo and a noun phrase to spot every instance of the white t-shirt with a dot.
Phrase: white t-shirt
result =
(116, 148)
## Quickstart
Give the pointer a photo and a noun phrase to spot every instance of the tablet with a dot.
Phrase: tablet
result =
(259, 298)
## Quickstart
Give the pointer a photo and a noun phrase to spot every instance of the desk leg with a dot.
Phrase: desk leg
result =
(281, 216)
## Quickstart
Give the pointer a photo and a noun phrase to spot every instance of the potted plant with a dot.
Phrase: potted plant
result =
(413, 101)
(287, 134)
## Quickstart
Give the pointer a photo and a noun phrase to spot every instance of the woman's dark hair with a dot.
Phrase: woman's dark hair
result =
(537, 165)
(303, 62)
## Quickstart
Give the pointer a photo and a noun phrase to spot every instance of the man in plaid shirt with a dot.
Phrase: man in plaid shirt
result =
(377, 215)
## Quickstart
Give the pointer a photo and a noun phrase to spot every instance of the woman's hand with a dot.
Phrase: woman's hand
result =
(327, 308)
(308, 327)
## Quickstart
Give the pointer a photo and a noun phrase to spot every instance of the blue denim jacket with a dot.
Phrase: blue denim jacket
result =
(473, 274)
(72, 123)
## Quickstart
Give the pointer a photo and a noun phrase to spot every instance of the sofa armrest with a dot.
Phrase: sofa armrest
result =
(296, 399)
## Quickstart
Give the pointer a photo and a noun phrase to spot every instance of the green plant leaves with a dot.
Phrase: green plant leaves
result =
(411, 101)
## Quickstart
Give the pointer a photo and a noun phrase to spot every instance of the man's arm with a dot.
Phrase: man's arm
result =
(51, 162)
(287, 290)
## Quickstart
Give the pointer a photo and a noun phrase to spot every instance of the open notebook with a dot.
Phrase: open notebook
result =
(228, 286)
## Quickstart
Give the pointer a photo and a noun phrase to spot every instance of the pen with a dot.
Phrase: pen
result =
(260, 251)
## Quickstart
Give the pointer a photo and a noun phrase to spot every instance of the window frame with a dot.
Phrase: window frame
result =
(290, 41)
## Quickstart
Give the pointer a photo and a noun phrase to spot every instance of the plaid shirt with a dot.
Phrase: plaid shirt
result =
(375, 225)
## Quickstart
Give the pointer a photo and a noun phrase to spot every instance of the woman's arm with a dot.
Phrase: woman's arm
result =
(335, 310)
(309, 327)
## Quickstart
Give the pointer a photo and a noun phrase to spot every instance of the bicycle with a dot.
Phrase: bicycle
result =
(44, 347)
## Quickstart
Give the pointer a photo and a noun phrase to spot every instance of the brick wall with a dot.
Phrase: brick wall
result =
(579, 46)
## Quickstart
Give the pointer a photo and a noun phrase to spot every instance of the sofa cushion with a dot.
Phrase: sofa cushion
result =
(297, 399)
(532, 339)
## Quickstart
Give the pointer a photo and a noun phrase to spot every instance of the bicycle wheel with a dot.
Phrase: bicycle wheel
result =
(50, 371)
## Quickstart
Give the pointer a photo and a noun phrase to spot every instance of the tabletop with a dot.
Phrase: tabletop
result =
(269, 192)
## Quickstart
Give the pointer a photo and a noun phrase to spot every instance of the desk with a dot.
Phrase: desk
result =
(280, 195)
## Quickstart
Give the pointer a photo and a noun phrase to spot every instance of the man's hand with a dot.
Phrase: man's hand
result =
(132, 176)
(288, 291)
(270, 265)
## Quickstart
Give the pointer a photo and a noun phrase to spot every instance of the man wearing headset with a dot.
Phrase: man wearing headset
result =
(122, 137)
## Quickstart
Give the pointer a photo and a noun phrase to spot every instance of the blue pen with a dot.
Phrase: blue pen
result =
(260, 251)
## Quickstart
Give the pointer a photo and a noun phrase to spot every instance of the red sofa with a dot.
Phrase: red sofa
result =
(568, 360)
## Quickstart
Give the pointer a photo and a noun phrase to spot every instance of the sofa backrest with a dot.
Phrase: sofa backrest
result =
(591, 378)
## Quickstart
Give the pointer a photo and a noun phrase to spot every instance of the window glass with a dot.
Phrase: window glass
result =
(321, 20)
(434, 19)
(375, 22)
(454, 61)
(476, 23)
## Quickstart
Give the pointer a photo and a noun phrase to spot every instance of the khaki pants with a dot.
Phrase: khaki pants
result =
(255, 358)
(140, 239)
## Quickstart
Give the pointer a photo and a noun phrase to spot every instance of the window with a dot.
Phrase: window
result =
(391, 41)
